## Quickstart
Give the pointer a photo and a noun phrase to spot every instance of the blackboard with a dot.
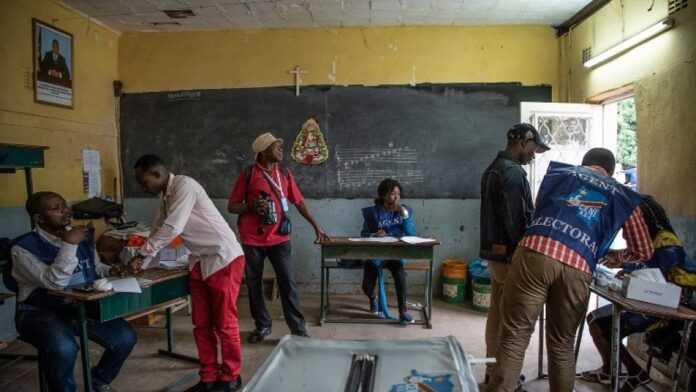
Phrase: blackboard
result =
(435, 139)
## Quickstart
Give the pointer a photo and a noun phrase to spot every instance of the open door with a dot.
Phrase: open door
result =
(570, 130)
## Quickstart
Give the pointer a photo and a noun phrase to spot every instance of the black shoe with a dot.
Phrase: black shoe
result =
(231, 386)
(258, 335)
(202, 387)
(373, 305)
(303, 334)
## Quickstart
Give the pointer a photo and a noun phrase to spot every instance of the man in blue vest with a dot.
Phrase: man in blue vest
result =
(578, 213)
(52, 257)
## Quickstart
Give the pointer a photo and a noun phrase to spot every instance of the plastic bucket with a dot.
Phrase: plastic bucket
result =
(454, 279)
(480, 285)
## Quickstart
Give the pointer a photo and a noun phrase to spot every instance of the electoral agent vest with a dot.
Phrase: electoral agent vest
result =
(581, 209)
(379, 218)
(84, 273)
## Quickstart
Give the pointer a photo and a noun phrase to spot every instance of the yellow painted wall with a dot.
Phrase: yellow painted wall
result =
(663, 72)
(341, 56)
(91, 124)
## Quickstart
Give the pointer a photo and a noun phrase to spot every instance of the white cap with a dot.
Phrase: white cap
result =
(264, 141)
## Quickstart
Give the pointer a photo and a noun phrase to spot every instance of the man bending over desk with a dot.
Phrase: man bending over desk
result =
(52, 257)
(388, 217)
(216, 264)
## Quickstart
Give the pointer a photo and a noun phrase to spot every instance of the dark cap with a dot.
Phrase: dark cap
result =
(525, 132)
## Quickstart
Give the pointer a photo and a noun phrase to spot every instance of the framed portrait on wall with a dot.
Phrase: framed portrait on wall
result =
(53, 64)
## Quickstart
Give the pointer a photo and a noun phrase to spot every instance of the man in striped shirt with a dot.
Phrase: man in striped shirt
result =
(579, 211)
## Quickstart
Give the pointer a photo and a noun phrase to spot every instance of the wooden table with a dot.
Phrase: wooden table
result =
(622, 304)
(343, 248)
(166, 287)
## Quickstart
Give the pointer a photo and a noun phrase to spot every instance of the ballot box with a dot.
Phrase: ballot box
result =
(307, 364)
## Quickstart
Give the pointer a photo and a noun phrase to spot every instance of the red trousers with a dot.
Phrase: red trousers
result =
(214, 303)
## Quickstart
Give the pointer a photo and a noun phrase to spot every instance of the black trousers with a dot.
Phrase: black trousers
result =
(281, 260)
(398, 273)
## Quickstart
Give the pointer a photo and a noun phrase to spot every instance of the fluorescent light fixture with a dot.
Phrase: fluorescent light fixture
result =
(629, 43)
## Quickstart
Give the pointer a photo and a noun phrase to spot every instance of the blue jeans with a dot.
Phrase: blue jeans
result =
(53, 335)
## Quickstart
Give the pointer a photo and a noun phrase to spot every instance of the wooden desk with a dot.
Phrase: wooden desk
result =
(623, 304)
(342, 248)
(166, 287)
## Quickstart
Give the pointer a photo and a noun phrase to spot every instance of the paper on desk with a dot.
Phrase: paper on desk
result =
(126, 285)
(374, 239)
(649, 274)
(416, 240)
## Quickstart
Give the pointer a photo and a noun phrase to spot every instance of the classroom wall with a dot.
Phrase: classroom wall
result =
(663, 73)
(90, 124)
(345, 56)
(340, 56)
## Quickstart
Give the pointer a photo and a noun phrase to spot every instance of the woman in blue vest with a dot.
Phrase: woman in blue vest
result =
(388, 217)
(51, 257)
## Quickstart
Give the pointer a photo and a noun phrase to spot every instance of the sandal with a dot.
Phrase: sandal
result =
(597, 376)
(634, 382)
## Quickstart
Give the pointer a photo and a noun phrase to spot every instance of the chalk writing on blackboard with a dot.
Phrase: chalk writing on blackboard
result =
(359, 167)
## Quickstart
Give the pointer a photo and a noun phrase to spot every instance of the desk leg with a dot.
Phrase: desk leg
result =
(429, 299)
(542, 336)
(169, 352)
(84, 348)
(615, 342)
(682, 352)
(322, 310)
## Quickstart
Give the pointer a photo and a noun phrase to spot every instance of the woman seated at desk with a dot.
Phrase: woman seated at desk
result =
(388, 217)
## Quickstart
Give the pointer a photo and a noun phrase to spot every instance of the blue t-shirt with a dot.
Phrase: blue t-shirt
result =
(377, 218)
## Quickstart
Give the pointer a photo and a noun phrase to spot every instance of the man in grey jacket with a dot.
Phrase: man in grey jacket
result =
(506, 210)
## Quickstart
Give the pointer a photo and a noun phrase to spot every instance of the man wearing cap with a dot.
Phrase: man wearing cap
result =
(261, 197)
(578, 213)
(506, 210)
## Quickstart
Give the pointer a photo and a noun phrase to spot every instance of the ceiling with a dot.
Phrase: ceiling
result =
(147, 15)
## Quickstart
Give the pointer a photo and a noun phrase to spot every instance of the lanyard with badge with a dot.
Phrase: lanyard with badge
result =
(278, 185)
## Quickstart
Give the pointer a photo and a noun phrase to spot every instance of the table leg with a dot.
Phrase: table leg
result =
(615, 342)
(540, 365)
(84, 348)
(688, 326)
(169, 352)
(429, 288)
(322, 310)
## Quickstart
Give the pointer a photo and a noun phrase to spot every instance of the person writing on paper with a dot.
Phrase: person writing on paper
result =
(216, 264)
(668, 253)
(388, 217)
(54, 256)
(261, 197)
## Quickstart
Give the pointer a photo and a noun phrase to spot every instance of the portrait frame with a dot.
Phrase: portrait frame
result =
(53, 65)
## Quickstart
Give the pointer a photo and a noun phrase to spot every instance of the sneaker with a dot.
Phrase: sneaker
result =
(597, 376)
(104, 388)
(632, 383)
(230, 386)
(373, 306)
(405, 319)
(258, 335)
(202, 387)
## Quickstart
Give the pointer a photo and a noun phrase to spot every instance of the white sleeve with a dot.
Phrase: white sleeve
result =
(28, 269)
(178, 213)
(101, 268)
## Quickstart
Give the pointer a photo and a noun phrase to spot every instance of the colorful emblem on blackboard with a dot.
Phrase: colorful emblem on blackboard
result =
(310, 146)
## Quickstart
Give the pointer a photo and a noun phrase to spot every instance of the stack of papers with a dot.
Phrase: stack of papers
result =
(126, 285)
(374, 239)
(416, 240)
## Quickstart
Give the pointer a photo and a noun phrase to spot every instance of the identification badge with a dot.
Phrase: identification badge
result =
(284, 203)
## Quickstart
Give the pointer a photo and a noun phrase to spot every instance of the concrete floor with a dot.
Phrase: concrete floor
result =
(145, 371)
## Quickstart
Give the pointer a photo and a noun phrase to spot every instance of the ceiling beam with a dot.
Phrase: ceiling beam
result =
(581, 15)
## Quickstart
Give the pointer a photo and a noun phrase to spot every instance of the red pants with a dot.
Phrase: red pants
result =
(214, 303)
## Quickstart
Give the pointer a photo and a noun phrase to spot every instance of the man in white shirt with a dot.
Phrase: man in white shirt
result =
(216, 264)
(52, 257)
